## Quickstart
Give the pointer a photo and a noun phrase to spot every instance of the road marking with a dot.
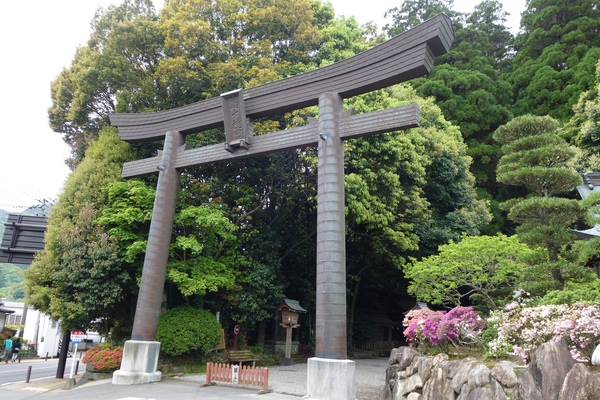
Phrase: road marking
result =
(135, 398)
(24, 370)
(36, 379)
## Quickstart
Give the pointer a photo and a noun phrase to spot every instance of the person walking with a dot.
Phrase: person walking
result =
(16, 346)
(7, 349)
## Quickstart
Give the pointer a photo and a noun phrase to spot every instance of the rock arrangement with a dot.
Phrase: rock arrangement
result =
(552, 374)
(92, 375)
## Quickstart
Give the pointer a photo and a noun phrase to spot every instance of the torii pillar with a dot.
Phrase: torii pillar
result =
(411, 54)
(330, 374)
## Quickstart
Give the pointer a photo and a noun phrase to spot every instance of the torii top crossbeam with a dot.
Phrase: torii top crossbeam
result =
(404, 57)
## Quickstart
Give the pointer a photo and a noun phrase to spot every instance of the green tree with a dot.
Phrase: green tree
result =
(535, 157)
(583, 128)
(113, 72)
(137, 61)
(557, 51)
(79, 278)
(414, 12)
(10, 274)
(204, 253)
(11, 282)
(484, 269)
(469, 82)
(407, 193)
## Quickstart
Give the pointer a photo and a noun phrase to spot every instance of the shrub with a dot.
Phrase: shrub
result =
(526, 328)
(104, 357)
(185, 329)
(459, 326)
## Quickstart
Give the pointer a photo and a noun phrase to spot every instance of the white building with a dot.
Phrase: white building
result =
(40, 330)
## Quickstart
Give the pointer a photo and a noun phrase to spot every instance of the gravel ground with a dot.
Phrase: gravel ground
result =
(369, 376)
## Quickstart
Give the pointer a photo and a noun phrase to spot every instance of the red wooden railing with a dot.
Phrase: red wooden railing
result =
(242, 375)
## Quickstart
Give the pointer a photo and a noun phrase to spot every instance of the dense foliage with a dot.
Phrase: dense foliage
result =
(244, 231)
(535, 157)
(79, 278)
(523, 329)
(11, 282)
(556, 53)
(104, 357)
(186, 329)
(484, 269)
(459, 326)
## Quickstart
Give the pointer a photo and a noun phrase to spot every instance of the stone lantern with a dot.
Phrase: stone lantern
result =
(290, 311)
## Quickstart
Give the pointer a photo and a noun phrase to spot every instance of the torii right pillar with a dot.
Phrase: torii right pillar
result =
(330, 375)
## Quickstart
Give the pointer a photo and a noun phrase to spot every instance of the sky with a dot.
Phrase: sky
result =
(39, 39)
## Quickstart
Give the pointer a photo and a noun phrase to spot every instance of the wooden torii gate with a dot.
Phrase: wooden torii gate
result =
(399, 59)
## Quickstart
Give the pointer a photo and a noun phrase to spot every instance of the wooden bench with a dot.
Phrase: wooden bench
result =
(241, 356)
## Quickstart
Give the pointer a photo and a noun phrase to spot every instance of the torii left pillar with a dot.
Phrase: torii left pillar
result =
(140, 354)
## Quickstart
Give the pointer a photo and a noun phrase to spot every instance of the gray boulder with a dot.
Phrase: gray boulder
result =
(549, 366)
(438, 386)
(480, 393)
(452, 367)
(504, 372)
(461, 376)
(498, 392)
(526, 388)
(545, 374)
(479, 376)
(403, 356)
(425, 369)
(593, 386)
(575, 384)
(464, 392)
(408, 385)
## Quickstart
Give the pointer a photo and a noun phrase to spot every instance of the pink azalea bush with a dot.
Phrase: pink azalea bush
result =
(104, 357)
(459, 326)
(526, 328)
(411, 323)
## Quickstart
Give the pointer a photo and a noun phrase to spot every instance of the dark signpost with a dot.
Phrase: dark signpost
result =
(236, 332)
(409, 55)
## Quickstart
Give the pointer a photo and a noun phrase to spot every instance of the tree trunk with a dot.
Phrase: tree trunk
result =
(351, 312)
(262, 329)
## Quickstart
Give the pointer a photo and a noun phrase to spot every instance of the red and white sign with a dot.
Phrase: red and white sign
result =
(77, 337)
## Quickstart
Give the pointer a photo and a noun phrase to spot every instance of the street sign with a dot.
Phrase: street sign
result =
(77, 337)
(236, 330)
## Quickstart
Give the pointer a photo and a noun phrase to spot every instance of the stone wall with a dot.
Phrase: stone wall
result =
(552, 374)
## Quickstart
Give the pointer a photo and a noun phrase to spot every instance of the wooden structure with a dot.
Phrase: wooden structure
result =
(251, 376)
(404, 57)
(242, 356)
(23, 237)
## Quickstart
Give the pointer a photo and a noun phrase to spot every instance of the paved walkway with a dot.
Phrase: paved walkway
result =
(288, 383)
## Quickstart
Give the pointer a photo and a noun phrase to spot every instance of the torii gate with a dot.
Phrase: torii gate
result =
(406, 56)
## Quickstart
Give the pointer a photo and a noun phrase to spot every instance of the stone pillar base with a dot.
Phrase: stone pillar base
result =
(140, 360)
(329, 379)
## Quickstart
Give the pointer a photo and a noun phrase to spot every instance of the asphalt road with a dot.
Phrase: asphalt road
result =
(17, 372)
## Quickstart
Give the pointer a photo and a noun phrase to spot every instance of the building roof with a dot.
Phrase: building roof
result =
(293, 305)
(23, 237)
(5, 310)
